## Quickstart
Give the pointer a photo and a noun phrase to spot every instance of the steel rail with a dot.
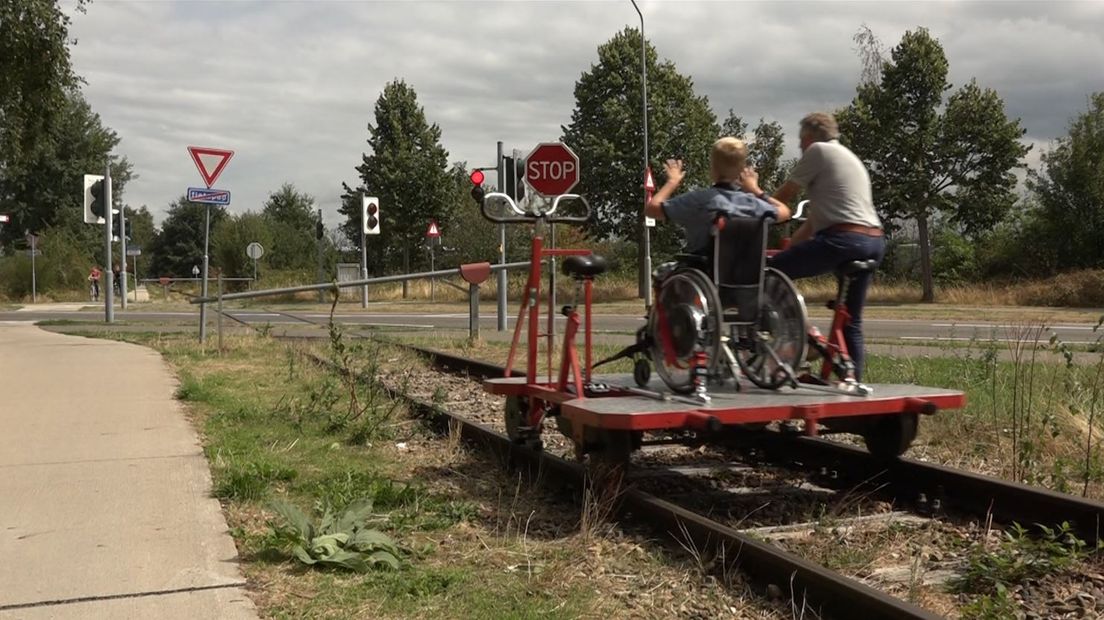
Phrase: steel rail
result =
(907, 479)
(827, 592)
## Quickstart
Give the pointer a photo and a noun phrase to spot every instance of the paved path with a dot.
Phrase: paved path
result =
(105, 506)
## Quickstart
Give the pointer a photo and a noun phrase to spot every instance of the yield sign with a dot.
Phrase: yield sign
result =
(210, 162)
(649, 182)
(433, 230)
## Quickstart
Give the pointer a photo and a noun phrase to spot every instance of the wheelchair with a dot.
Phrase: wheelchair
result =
(720, 314)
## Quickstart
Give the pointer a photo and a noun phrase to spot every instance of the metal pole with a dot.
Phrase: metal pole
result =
(432, 267)
(203, 284)
(123, 255)
(109, 277)
(552, 280)
(501, 249)
(363, 256)
(251, 284)
(34, 277)
(473, 311)
(646, 247)
(220, 312)
(321, 270)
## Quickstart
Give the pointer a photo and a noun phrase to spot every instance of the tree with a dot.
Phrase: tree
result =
(35, 78)
(40, 190)
(234, 233)
(407, 170)
(291, 219)
(927, 159)
(765, 148)
(1069, 187)
(606, 132)
(179, 247)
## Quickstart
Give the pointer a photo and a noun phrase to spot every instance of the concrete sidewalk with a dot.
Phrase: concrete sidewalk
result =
(105, 506)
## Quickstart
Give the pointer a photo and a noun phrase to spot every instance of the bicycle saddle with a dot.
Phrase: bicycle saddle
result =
(855, 267)
(584, 266)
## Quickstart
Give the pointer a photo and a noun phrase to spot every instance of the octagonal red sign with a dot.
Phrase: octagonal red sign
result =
(551, 169)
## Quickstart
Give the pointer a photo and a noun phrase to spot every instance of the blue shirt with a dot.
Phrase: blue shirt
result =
(695, 211)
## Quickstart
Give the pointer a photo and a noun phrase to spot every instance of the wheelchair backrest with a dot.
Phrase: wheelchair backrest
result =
(740, 257)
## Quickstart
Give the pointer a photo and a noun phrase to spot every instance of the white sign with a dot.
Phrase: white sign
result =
(649, 221)
(254, 250)
(195, 271)
(4, 218)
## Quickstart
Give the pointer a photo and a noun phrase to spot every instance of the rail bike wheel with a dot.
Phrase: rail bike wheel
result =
(778, 335)
(685, 319)
(888, 437)
(516, 417)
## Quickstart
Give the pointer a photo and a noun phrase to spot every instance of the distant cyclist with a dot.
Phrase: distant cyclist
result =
(94, 283)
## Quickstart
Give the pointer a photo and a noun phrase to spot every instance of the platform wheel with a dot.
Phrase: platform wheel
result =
(517, 423)
(888, 437)
(692, 322)
(642, 372)
(778, 336)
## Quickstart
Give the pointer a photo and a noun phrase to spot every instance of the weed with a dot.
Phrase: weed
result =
(996, 606)
(190, 389)
(1019, 557)
(339, 540)
(250, 481)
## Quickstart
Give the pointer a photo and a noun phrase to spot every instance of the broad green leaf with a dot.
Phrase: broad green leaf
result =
(350, 560)
(302, 554)
(384, 557)
(355, 515)
(295, 518)
(368, 540)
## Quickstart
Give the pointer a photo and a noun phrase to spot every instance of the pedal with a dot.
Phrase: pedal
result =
(597, 388)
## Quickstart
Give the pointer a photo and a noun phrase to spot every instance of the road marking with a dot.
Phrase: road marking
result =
(964, 339)
(1008, 325)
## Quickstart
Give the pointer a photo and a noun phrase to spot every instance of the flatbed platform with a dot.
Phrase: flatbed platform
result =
(620, 409)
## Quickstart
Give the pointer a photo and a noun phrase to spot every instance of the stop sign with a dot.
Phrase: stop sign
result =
(551, 169)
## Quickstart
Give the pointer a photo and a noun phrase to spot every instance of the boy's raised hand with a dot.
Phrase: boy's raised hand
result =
(749, 180)
(674, 170)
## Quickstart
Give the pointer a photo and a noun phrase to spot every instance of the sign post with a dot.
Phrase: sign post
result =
(33, 238)
(646, 250)
(109, 277)
(433, 237)
(255, 251)
(210, 163)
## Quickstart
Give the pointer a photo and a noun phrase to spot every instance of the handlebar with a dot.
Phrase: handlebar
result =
(527, 217)
(799, 211)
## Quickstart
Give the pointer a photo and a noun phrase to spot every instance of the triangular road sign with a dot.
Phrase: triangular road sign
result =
(649, 182)
(210, 162)
(433, 231)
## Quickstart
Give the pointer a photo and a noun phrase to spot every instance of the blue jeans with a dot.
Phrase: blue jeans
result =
(822, 254)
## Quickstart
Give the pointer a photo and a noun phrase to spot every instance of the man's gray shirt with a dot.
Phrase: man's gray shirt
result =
(838, 184)
(696, 210)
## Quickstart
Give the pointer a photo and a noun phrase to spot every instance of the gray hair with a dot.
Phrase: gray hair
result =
(820, 126)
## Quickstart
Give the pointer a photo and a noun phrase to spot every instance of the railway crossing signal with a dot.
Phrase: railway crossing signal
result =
(477, 192)
(370, 215)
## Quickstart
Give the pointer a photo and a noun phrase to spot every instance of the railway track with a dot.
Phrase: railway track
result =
(922, 488)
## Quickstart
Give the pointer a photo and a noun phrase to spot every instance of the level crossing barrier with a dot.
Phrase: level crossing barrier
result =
(475, 274)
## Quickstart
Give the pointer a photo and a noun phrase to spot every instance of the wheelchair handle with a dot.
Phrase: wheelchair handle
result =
(528, 218)
(799, 211)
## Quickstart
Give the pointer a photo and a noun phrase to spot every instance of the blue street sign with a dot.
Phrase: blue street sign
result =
(209, 196)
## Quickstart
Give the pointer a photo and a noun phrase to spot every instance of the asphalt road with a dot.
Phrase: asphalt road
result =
(919, 331)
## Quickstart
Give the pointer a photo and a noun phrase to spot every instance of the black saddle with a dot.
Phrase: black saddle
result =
(582, 267)
(855, 267)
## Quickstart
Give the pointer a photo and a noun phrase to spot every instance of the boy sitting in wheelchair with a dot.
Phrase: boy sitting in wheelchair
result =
(722, 282)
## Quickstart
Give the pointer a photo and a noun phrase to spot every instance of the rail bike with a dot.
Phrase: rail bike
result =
(726, 334)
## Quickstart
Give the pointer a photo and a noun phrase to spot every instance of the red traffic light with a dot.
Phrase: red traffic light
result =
(372, 208)
(477, 177)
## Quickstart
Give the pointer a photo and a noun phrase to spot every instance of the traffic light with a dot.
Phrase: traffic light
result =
(370, 215)
(94, 199)
(477, 192)
(515, 177)
(319, 230)
(117, 226)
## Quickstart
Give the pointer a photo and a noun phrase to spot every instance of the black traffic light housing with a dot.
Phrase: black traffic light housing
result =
(319, 229)
(371, 218)
(98, 199)
(116, 226)
(515, 177)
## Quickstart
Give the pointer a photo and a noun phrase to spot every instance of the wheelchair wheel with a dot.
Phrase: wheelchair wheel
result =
(685, 318)
(777, 337)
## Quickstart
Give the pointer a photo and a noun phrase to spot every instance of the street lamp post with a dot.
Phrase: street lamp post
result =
(646, 246)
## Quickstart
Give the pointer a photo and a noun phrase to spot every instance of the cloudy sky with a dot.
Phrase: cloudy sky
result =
(290, 85)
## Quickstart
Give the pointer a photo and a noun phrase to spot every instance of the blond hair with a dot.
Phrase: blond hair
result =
(820, 127)
(728, 159)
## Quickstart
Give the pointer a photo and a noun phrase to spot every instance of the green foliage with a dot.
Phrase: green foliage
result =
(290, 218)
(927, 156)
(338, 541)
(250, 481)
(954, 258)
(606, 132)
(1019, 557)
(179, 247)
(1069, 187)
(229, 240)
(996, 606)
(407, 170)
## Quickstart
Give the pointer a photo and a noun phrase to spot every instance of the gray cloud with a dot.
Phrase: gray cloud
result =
(290, 86)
